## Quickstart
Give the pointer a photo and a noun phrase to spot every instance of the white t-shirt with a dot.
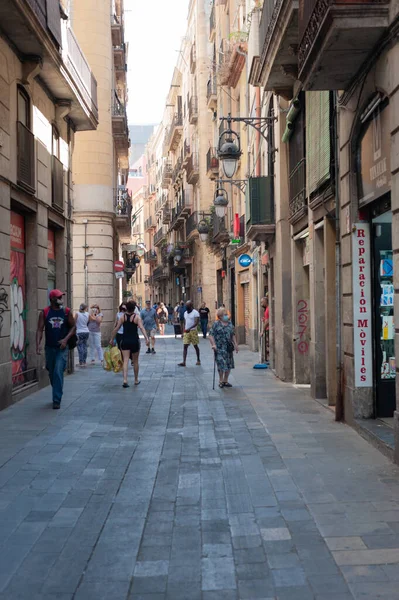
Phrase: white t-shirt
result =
(189, 318)
(81, 322)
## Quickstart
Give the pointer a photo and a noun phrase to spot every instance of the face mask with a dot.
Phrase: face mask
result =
(189, 309)
(225, 318)
(60, 302)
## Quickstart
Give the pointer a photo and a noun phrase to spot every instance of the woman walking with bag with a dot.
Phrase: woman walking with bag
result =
(223, 343)
(162, 314)
(82, 332)
(130, 344)
(94, 326)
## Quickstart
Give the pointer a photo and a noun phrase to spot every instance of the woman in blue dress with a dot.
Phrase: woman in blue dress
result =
(223, 343)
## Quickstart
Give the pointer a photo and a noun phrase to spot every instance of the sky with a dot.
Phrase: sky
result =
(154, 30)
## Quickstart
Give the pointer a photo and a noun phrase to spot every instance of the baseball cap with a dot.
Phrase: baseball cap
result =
(56, 294)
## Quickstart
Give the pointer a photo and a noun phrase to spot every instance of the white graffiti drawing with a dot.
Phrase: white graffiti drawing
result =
(17, 321)
(3, 303)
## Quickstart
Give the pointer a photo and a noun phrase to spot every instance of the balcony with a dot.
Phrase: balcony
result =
(335, 38)
(279, 43)
(160, 236)
(192, 169)
(193, 110)
(186, 152)
(212, 24)
(211, 93)
(123, 212)
(57, 187)
(150, 257)
(117, 30)
(191, 226)
(167, 172)
(149, 224)
(177, 172)
(181, 211)
(25, 158)
(254, 48)
(175, 132)
(298, 200)
(160, 273)
(166, 215)
(120, 57)
(220, 233)
(193, 58)
(37, 33)
(259, 210)
(212, 164)
(233, 63)
(120, 131)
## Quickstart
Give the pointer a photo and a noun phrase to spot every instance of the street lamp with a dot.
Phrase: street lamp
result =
(229, 151)
(220, 202)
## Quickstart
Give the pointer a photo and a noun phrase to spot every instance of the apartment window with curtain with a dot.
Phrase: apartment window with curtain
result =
(297, 162)
(318, 141)
(25, 142)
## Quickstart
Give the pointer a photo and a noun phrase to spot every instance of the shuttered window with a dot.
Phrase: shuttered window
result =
(318, 142)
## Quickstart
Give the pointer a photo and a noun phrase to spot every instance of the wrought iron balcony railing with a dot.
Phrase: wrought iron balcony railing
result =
(298, 200)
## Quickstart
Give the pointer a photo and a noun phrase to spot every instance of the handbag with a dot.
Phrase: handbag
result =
(230, 347)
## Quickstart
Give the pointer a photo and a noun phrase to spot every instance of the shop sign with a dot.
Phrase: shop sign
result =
(375, 167)
(119, 274)
(362, 309)
(244, 260)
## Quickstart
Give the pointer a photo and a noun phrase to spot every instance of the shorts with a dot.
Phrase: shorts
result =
(191, 338)
(151, 332)
(132, 345)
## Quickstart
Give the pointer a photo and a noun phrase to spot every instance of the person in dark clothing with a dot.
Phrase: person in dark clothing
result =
(130, 344)
(204, 318)
(181, 311)
(59, 326)
(170, 314)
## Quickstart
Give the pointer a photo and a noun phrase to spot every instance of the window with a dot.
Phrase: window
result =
(55, 146)
(23, 107)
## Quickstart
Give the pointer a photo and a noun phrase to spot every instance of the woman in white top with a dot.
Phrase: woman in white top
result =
(119, 334)
(82, 332)
(94, 326)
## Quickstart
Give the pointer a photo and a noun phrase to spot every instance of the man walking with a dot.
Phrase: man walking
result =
(191, 320)
(149, 317)
(59, 326)
(204, 318)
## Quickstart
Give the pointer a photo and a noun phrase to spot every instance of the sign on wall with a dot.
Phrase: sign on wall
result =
(362, 309)
(244, 260)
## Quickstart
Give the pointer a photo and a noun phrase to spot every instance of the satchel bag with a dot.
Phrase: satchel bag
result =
(230, 347)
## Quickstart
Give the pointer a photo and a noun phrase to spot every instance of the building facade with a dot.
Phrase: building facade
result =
(102, 205)
(48, 95)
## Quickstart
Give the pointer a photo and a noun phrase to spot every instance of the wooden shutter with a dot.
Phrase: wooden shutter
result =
(54, 19)
(318, 140)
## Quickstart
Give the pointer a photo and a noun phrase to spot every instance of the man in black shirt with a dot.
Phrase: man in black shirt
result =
(204, 318)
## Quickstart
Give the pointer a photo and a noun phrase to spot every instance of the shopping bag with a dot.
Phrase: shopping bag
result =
(117, 360)
(107, 364)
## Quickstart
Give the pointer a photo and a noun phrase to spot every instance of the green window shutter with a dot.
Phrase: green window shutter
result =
(318, 149)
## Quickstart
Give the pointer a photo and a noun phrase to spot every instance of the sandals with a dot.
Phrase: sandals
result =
(137, 382)
(181, 365)
(125, 385)
(227, 384)
(221, 385)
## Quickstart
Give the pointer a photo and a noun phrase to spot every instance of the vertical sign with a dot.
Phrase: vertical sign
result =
(362, 309)
(18, 298)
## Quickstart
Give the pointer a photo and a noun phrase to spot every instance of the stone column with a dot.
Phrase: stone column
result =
(330, 310)
(317, 310)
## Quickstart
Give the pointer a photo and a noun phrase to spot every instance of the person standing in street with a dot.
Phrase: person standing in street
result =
(223, 343)
(191, 320)
(94, 326)
(130, 345)
(181, 312)
(265, 325)
(204, 318)
(162, 315)
(170, 314)
(119, 314)
(59, 326)
(150, 321)
(82, 331)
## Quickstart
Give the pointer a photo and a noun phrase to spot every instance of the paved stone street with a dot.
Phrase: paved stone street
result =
(170, 490)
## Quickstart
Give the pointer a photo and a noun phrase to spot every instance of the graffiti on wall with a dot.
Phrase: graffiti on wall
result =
(3, 302)
(302, 318)
(18, 342)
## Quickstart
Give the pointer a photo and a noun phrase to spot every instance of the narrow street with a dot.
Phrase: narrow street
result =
(173, 490)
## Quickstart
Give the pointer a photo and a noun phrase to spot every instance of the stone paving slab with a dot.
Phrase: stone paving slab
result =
(172, 490)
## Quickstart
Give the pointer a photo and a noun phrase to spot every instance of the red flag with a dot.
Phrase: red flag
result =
(236, 225)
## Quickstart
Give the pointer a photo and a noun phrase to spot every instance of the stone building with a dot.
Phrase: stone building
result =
(102, 207)
(48, 95)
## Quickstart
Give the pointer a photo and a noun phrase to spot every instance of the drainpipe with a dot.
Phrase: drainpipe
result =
(339, 403)
(69, 235)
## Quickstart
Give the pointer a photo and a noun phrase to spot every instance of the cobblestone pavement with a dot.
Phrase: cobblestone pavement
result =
(170, 490)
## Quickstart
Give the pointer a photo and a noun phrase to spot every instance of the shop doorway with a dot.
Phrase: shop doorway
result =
(384, 327)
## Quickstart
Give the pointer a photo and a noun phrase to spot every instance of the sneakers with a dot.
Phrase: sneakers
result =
(56, 406)
(148, 351)
(153, 351)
